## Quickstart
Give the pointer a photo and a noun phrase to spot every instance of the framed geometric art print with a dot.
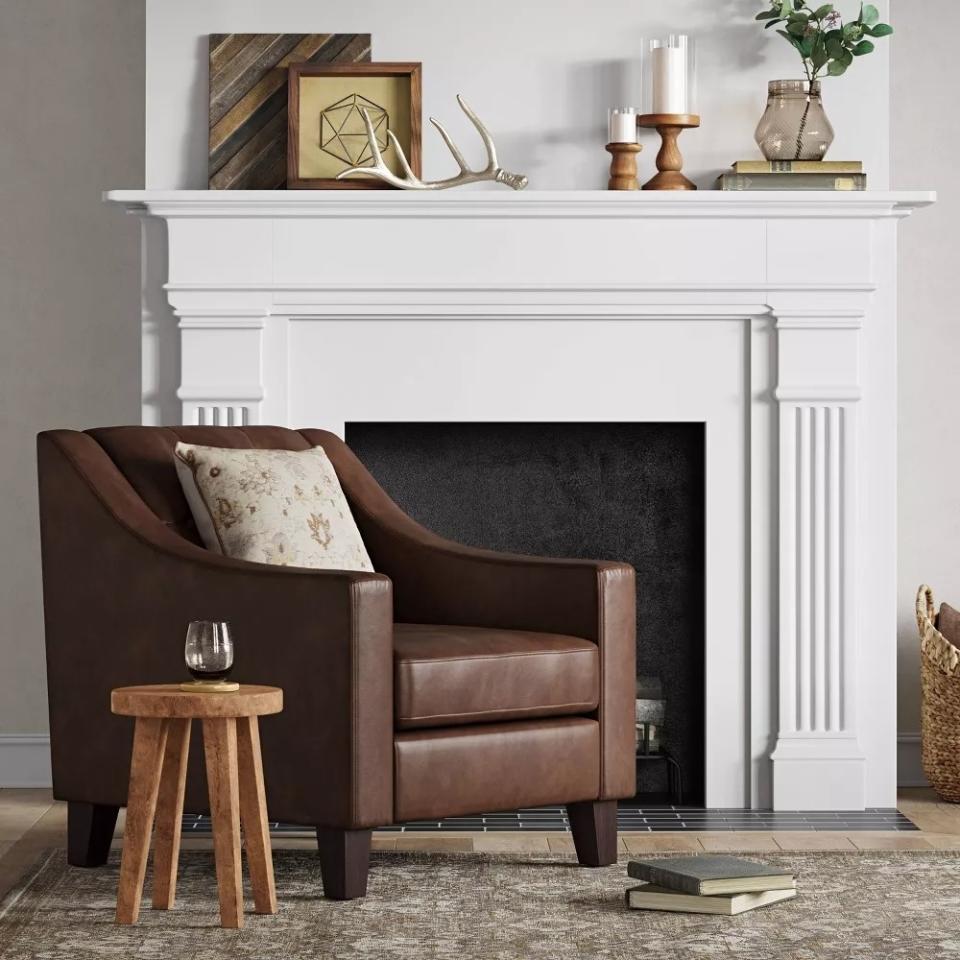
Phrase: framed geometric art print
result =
(327, 133)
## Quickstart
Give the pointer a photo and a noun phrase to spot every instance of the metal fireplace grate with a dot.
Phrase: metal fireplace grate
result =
(633, 818)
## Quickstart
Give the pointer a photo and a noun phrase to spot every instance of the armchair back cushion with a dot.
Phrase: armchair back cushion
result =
(145, 458)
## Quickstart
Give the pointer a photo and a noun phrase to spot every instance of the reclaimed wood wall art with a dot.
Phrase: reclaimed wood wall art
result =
(248, 100)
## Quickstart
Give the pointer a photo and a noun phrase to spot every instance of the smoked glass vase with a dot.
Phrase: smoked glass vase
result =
(794, 125)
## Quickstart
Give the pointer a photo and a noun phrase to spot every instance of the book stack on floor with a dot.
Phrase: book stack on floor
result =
(708, 884)
(843, 175)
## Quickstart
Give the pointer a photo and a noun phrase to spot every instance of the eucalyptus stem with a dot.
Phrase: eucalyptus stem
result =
(803, 124)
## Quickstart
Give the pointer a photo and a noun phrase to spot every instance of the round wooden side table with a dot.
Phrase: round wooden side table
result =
(158, 775)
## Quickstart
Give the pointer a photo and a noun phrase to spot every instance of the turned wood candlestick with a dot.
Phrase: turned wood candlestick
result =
(623, 166)
(669, 159)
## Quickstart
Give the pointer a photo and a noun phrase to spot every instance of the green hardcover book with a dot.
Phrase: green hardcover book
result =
(648, 896)
(707, 875)
(793, 181)
(798, 166)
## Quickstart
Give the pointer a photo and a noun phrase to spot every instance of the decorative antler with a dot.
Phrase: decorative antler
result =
(409, 181)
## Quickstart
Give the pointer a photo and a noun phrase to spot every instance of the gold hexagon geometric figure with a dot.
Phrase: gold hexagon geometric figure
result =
(343, 134)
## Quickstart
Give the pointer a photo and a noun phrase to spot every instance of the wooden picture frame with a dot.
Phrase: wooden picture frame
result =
(328, 147)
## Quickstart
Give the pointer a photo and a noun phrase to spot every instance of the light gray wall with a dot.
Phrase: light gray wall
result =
(924, 148)
(71, 116)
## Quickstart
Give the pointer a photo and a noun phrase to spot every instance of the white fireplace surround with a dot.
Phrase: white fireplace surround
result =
(769, 317)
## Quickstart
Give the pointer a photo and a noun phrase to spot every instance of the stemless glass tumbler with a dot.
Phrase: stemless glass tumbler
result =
(209, 650)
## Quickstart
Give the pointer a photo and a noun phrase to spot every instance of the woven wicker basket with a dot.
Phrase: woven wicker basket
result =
(940, 679)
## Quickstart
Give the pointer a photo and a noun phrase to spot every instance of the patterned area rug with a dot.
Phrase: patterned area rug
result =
(485, 907)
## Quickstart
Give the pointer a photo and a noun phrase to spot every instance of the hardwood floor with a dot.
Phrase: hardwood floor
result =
(30, 823)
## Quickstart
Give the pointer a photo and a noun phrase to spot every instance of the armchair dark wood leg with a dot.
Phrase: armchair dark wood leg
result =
(344, 862)
(90, 829)
(593, 824)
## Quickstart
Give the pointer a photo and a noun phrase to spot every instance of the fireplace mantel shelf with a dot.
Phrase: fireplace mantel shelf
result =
(770, 317)
(599, 204)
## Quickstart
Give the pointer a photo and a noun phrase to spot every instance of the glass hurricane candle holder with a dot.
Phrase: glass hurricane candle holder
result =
(670, 75)
(623, 148)
(622, 125)
(208, 653)
(670, 105)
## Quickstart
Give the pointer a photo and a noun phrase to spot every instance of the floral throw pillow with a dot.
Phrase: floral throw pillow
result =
(273, 506)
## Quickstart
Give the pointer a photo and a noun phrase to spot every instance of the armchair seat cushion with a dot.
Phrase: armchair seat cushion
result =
(450, 675)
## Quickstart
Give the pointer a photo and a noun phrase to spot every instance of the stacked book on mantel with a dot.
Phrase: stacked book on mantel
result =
(708, 884)
(794, 175)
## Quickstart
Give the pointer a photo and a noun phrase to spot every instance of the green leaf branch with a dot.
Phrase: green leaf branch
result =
(825, 43)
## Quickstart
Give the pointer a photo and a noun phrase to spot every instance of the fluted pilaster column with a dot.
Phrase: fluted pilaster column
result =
(817, 762)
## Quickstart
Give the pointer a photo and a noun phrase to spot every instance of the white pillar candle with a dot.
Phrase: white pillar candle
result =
(622, 125)
(669, 79)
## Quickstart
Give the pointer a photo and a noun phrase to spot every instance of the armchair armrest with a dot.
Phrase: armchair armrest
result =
(438, 581)
(119, 588)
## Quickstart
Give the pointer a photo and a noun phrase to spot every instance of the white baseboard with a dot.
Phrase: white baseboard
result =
(25, 760)
(909, 766)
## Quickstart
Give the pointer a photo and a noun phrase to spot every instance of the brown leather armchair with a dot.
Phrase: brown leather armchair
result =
(452, 681)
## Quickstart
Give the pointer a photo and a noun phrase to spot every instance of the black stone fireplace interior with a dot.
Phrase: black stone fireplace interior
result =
(605, 491)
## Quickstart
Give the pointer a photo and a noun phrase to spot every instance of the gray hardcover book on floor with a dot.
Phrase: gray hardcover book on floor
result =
(648, 896)
(706, 875)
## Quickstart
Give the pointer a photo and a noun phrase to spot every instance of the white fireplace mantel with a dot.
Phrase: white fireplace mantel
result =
(770, 317)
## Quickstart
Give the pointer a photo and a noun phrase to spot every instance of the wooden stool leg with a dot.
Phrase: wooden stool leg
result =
(169, 817)
(220, 749)
(148, 745)
(253, 815)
